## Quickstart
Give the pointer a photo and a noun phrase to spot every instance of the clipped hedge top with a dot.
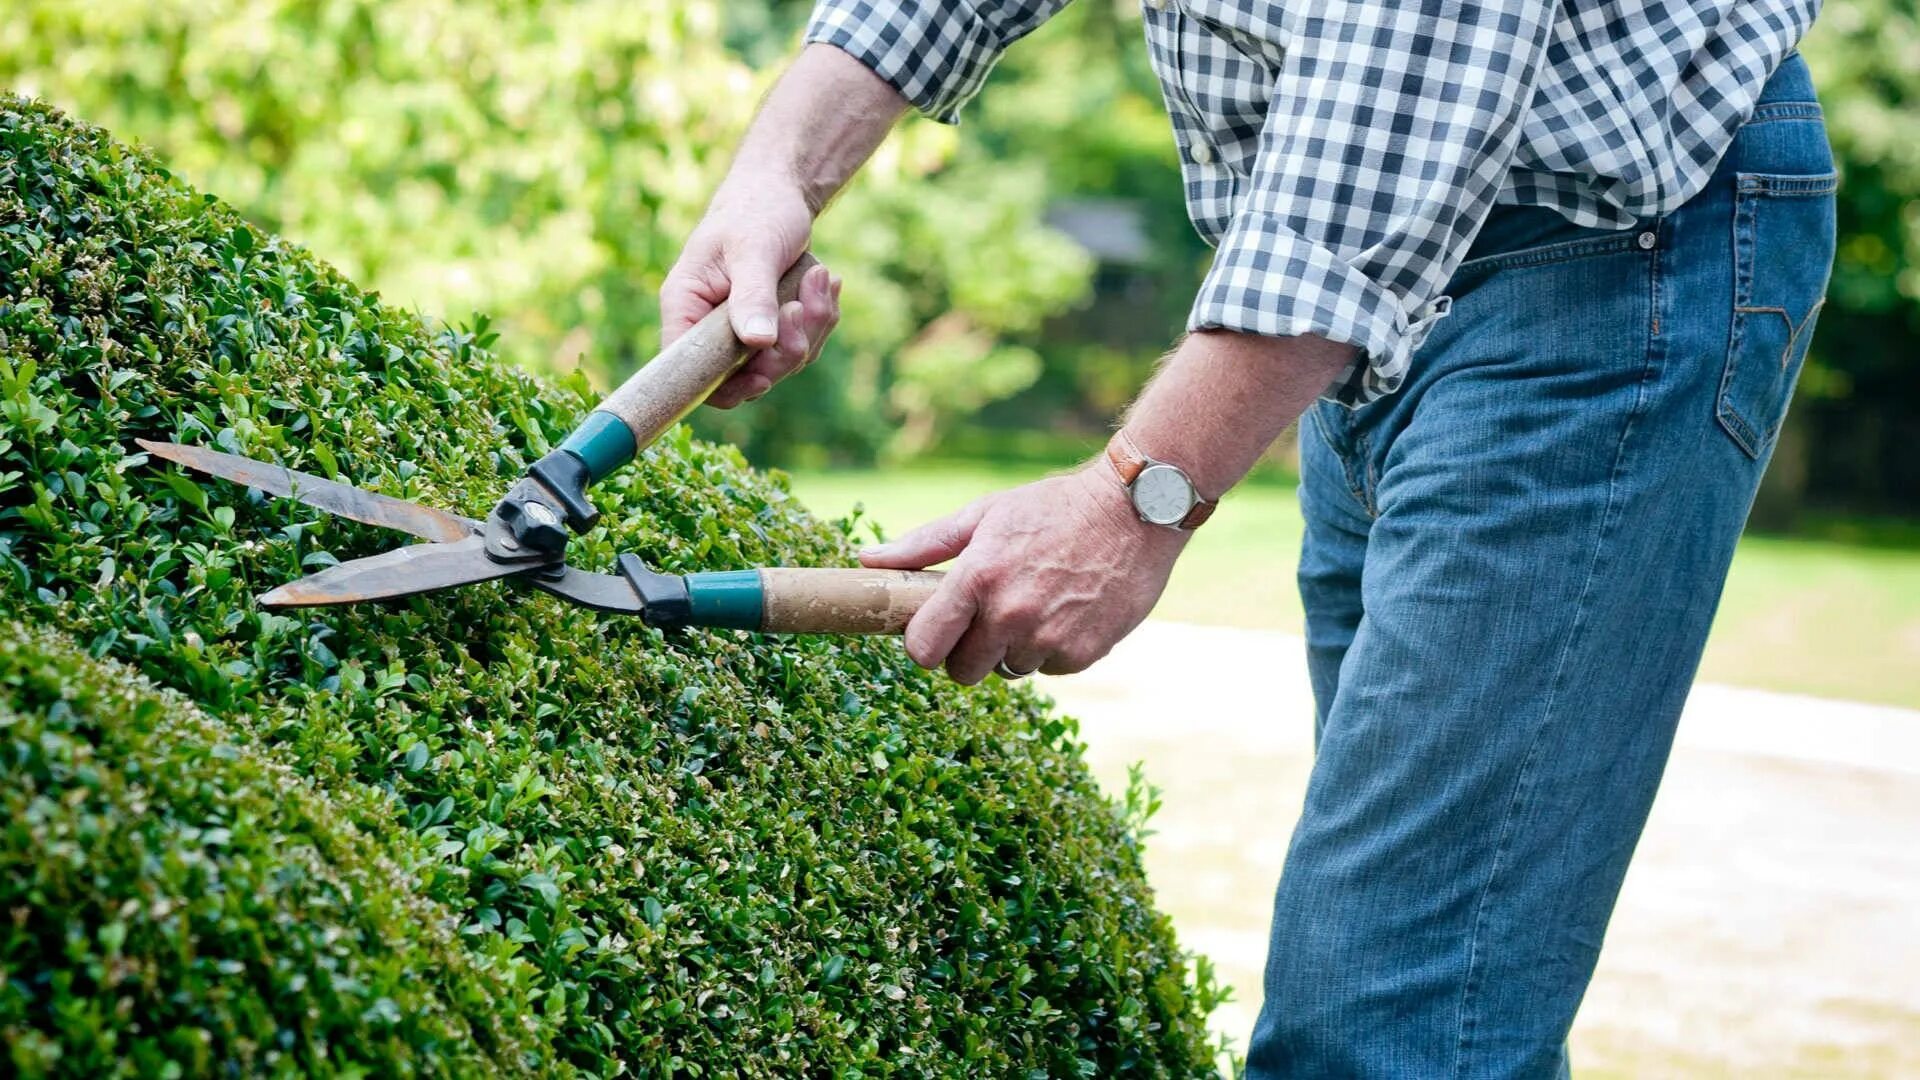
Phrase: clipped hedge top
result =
(706, 855)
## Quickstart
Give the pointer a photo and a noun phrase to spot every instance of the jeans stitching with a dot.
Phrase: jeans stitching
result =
(1372, 473)
(1785, 110)
(1522, 787)
(1786, 185)
(1736, 425)
(1550, 254)
(1749, 191)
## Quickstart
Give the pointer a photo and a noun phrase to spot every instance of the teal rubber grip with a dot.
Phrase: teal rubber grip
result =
(604, 442)
(735, 599)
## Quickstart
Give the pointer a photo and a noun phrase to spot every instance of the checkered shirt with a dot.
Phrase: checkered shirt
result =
(1341, 154)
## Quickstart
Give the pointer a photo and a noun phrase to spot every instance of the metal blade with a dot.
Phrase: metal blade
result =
(405, 571)
(335, 498)
(601, 592)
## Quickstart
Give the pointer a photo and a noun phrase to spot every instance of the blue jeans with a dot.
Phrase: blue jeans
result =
(1509, 571)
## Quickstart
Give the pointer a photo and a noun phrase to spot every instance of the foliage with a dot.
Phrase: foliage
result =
(207, 905)
(540, 161)
(710, 854)
(1861, 389)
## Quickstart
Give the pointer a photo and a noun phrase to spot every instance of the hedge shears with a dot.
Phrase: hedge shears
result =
(525, 536)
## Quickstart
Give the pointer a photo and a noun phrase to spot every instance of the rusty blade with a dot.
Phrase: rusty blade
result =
(320, 493)
(416, 568)
(601, 592)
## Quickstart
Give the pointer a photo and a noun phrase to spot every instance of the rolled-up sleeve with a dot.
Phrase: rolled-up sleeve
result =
(937, 53)
(1390, 131)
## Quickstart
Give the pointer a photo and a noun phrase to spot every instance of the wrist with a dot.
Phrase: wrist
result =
(1117, 516)
(819, 124)
(752, 185)
(1161, 492)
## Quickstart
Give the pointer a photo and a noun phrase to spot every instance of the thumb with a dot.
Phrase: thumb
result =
(753, 303)
(935, 542)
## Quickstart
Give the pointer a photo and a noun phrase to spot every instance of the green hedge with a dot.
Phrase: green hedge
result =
(514, 836)
(181, 894)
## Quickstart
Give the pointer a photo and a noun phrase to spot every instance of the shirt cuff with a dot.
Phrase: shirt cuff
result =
(1268, 280)
(936, 53)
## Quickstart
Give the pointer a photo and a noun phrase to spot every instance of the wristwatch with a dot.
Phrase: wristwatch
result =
(1161, 493)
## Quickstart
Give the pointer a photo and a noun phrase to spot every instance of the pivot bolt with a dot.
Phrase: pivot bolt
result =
(536, 526)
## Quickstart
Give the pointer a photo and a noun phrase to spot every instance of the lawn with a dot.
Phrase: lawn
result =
(1810, 616)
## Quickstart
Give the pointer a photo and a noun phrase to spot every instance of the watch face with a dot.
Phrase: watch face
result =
(1162, 495)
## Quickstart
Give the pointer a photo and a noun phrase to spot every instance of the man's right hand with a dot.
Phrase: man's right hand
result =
(753, 231)
(820, 122)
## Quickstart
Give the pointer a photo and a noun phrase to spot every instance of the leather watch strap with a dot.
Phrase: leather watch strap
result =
(1128, 461)
(1201, 511)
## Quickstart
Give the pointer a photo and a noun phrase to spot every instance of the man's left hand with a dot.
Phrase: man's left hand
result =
(1048, 577)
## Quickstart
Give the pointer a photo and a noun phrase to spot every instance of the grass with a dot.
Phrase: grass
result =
(1829, 617)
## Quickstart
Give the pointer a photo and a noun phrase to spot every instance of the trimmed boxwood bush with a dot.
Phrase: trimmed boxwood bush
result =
(181, 895)
(478, 831)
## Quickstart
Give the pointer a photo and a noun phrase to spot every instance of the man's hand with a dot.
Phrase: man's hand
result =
(753, 231)
(1046, 577)
(819, 124)
(1052, 575)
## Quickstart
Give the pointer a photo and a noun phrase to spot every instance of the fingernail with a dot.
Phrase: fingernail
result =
(760, 326)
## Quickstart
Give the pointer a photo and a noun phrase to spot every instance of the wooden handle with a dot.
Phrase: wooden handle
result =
(801, 601)
(673, 383)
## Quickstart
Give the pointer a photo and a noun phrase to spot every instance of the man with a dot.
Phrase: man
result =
(1537, 280)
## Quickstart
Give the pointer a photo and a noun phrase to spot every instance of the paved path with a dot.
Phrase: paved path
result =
(1770, 924)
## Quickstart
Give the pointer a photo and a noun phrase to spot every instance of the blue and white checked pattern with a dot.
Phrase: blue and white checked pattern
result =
(1343, 153)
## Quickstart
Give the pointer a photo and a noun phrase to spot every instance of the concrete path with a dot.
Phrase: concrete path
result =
(1770, 924)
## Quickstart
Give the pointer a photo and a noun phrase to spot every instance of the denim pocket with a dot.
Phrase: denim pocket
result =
(1783, 235)
(1602, 242)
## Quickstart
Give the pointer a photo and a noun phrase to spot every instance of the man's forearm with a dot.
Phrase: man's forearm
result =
(1221, 399)
(1051, 575)
(1217, 402)
(818, 125)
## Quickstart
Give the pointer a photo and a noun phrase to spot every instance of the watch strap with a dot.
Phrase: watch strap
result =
(1128, 462)
(1202, 510)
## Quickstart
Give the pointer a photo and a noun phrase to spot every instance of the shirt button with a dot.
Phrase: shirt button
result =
(1200, 152)
(1646, 240)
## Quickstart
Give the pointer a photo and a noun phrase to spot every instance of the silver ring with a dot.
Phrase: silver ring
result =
(1001, 669)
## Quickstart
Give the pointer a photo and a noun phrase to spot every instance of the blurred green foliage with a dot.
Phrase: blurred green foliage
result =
(542, 160)
(1860, 399)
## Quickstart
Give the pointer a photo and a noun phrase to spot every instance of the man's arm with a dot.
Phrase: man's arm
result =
(819, 124)
(1052, 575)
(1222, 398)
(865, 63)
